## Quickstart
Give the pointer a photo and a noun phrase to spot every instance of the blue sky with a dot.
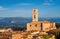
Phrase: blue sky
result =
(23, 8)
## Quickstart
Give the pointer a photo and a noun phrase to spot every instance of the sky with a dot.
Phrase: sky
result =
(23, 8)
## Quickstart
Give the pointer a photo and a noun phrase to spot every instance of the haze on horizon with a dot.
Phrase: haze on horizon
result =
(23, 8)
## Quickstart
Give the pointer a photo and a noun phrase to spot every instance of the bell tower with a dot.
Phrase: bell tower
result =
(34, 15)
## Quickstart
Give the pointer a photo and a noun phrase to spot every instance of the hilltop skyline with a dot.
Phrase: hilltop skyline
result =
(23, 8)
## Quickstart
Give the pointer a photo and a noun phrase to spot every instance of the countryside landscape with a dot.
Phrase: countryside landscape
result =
(29, 19)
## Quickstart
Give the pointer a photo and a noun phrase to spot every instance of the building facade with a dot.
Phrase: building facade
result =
(36, 25)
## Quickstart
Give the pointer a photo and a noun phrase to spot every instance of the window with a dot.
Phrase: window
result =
(30, 25)
(35, 37)
(35, 25)
(34, 10)
(41, 27)
(34, 16)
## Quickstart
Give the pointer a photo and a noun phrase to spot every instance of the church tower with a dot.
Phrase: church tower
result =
(34, 15)
(36, 25)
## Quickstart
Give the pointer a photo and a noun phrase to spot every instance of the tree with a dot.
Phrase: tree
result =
(45, 36)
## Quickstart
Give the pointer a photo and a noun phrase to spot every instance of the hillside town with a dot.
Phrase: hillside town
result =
(34, 30)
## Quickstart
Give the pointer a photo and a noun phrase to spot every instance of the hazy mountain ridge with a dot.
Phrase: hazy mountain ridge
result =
(13, 21)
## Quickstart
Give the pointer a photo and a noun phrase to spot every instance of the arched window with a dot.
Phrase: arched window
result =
(34, 10)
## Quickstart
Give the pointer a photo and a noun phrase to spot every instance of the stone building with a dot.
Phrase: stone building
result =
(31, 35)
(5, 34)
(16, 35)
(36, 25)
(35, 29)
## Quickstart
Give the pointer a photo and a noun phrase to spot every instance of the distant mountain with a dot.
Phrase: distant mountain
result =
(15, 21)
(55, 19)
(12, 21)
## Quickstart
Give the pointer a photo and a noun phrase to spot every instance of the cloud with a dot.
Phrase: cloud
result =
(48, 2)
(25, 4)
(2, 8)
(21, 11)
(16, 13)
